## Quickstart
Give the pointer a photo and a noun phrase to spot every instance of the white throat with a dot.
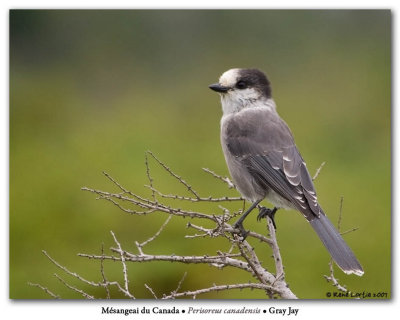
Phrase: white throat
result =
(235, 104)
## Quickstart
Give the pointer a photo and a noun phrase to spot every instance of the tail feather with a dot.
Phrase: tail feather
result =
(339, 250)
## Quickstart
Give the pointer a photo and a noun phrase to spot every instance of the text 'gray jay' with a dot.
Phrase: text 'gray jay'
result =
(264, 162)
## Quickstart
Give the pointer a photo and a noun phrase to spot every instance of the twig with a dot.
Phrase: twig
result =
(188, 186)
(197, 199)
(151, 291)
(124, 269)
(83, 293)
(91, 283)
(318, 171)
(239, 286)
(340, 213)
(230, 184)
(331, 278)
(146, 162)
(55, 296)
(179, 285)
(116, 183)
(141, 245)
(130, 211)
(102, 272)
(229, 229)
(148, 204)
(348, 231)
(174, 258)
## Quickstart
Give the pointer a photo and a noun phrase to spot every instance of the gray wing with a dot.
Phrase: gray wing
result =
(262, 141)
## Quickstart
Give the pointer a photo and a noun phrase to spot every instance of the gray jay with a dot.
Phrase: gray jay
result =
(265, 163)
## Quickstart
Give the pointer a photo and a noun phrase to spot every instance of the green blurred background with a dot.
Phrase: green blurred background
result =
(93, 90)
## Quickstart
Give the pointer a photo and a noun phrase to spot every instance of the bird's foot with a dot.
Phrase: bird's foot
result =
(266, 212)
(243, 232)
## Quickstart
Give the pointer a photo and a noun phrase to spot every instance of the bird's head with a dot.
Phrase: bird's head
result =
(242, 88)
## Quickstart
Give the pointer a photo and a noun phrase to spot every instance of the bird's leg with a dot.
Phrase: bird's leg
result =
(239, 224)
(266, 212)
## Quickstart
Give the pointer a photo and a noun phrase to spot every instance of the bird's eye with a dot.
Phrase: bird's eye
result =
(241, 85)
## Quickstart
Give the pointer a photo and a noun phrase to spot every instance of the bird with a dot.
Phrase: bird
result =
(265, 163)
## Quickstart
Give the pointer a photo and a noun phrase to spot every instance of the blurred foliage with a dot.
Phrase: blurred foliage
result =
(92, 90)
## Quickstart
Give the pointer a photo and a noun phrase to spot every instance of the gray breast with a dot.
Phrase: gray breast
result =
(241, 176)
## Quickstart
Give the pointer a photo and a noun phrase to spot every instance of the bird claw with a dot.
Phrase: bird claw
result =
(242, 230)
(266, 212)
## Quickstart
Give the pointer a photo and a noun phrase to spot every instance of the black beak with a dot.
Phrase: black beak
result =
(218, 88)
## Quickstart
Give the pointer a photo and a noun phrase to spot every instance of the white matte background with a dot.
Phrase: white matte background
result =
(14, 309)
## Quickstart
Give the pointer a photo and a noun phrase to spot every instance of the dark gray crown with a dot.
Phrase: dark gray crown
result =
(254, 78)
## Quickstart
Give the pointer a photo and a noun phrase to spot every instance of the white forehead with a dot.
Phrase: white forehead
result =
(229, 77)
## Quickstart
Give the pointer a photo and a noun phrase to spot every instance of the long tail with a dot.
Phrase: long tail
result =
(336, 246)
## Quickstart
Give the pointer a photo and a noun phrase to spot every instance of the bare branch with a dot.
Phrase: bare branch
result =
(226, 228)
(220, 288)
(280, 274)
(340, 219)
(91, 283)
(199, 199)
(77, 276)
(102, 272)
(350, 230)
(116, 183)
(225, 260)
(125, 271)
(173, 293)
(141, 245)
(252, 261)
(146, 162)
(340, 213)
(188, 186)
(147, 204)
(331, 278)
(226, 180)
(318, 171)
(151, 291)
(55, 296)
(240, 256)
(136, 212)
(83, 293)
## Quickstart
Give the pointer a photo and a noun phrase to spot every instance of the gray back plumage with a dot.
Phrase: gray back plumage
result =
(263, 143)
